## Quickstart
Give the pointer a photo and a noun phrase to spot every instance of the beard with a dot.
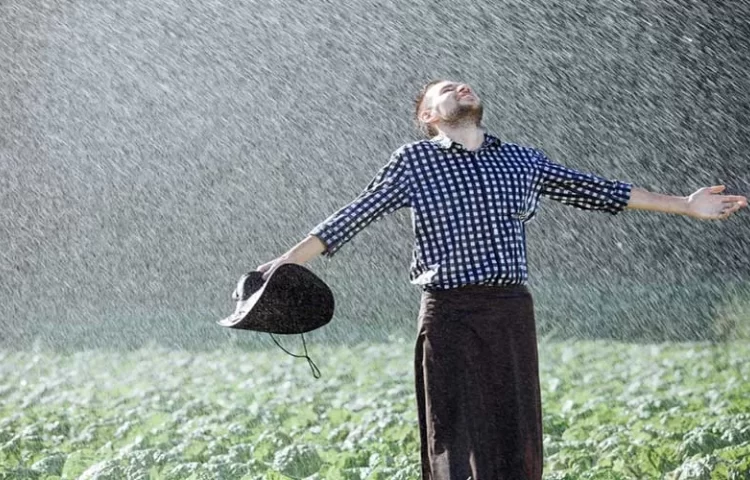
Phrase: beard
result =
(465, 115)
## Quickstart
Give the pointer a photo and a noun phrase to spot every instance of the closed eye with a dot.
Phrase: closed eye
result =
(447, 88)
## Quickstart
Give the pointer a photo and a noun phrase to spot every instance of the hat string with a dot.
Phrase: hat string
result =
(313, 367)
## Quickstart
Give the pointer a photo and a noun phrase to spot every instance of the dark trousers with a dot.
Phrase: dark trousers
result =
(477, 384)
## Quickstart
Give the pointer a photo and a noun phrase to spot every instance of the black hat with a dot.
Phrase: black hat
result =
(293, 300)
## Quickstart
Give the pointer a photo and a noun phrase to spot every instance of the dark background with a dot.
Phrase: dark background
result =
(152, 153)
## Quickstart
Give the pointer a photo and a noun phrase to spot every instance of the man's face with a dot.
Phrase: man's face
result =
(452, 103)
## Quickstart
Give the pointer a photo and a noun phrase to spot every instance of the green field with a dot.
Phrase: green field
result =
(611, 411)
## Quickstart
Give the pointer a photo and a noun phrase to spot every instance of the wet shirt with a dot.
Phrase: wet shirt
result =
(468, 208)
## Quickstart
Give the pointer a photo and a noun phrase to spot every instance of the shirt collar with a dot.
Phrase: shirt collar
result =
(447, 143)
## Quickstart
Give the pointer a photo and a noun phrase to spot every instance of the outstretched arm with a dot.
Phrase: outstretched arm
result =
(705, 204)
(591, 192)
(387, 192)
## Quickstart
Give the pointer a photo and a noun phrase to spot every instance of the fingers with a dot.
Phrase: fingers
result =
(270, 271)
(729, 209)
(265, 269)
(272, 266)
(734, 208)
(269, 267)
(266, 265)
(734, 199)
(729, 203)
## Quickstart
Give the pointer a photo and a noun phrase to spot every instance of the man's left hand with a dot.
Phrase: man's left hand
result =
(707, 203)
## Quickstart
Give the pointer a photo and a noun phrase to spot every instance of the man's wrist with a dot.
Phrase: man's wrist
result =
(683, 205)
(305, 250)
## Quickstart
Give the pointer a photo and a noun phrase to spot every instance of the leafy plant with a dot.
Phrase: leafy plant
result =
(611, 411)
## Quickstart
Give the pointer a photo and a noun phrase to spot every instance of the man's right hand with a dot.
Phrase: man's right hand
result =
(270, 267)
(302, 253)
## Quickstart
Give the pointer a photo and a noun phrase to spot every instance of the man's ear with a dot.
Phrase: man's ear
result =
(427, 116)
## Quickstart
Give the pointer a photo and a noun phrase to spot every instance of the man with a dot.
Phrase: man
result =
(476, 368)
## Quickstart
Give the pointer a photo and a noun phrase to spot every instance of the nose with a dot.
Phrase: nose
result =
(463, 88)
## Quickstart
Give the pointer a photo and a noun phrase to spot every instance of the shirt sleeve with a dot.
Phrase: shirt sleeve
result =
(388, 192)
(580, 189)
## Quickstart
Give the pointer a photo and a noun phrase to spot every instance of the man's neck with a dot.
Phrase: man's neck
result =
(470, 136)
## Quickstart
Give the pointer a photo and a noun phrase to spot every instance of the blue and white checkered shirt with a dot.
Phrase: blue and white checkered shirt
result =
(469, 208)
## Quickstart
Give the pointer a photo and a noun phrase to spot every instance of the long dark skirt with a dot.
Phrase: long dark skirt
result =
(477, 383)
